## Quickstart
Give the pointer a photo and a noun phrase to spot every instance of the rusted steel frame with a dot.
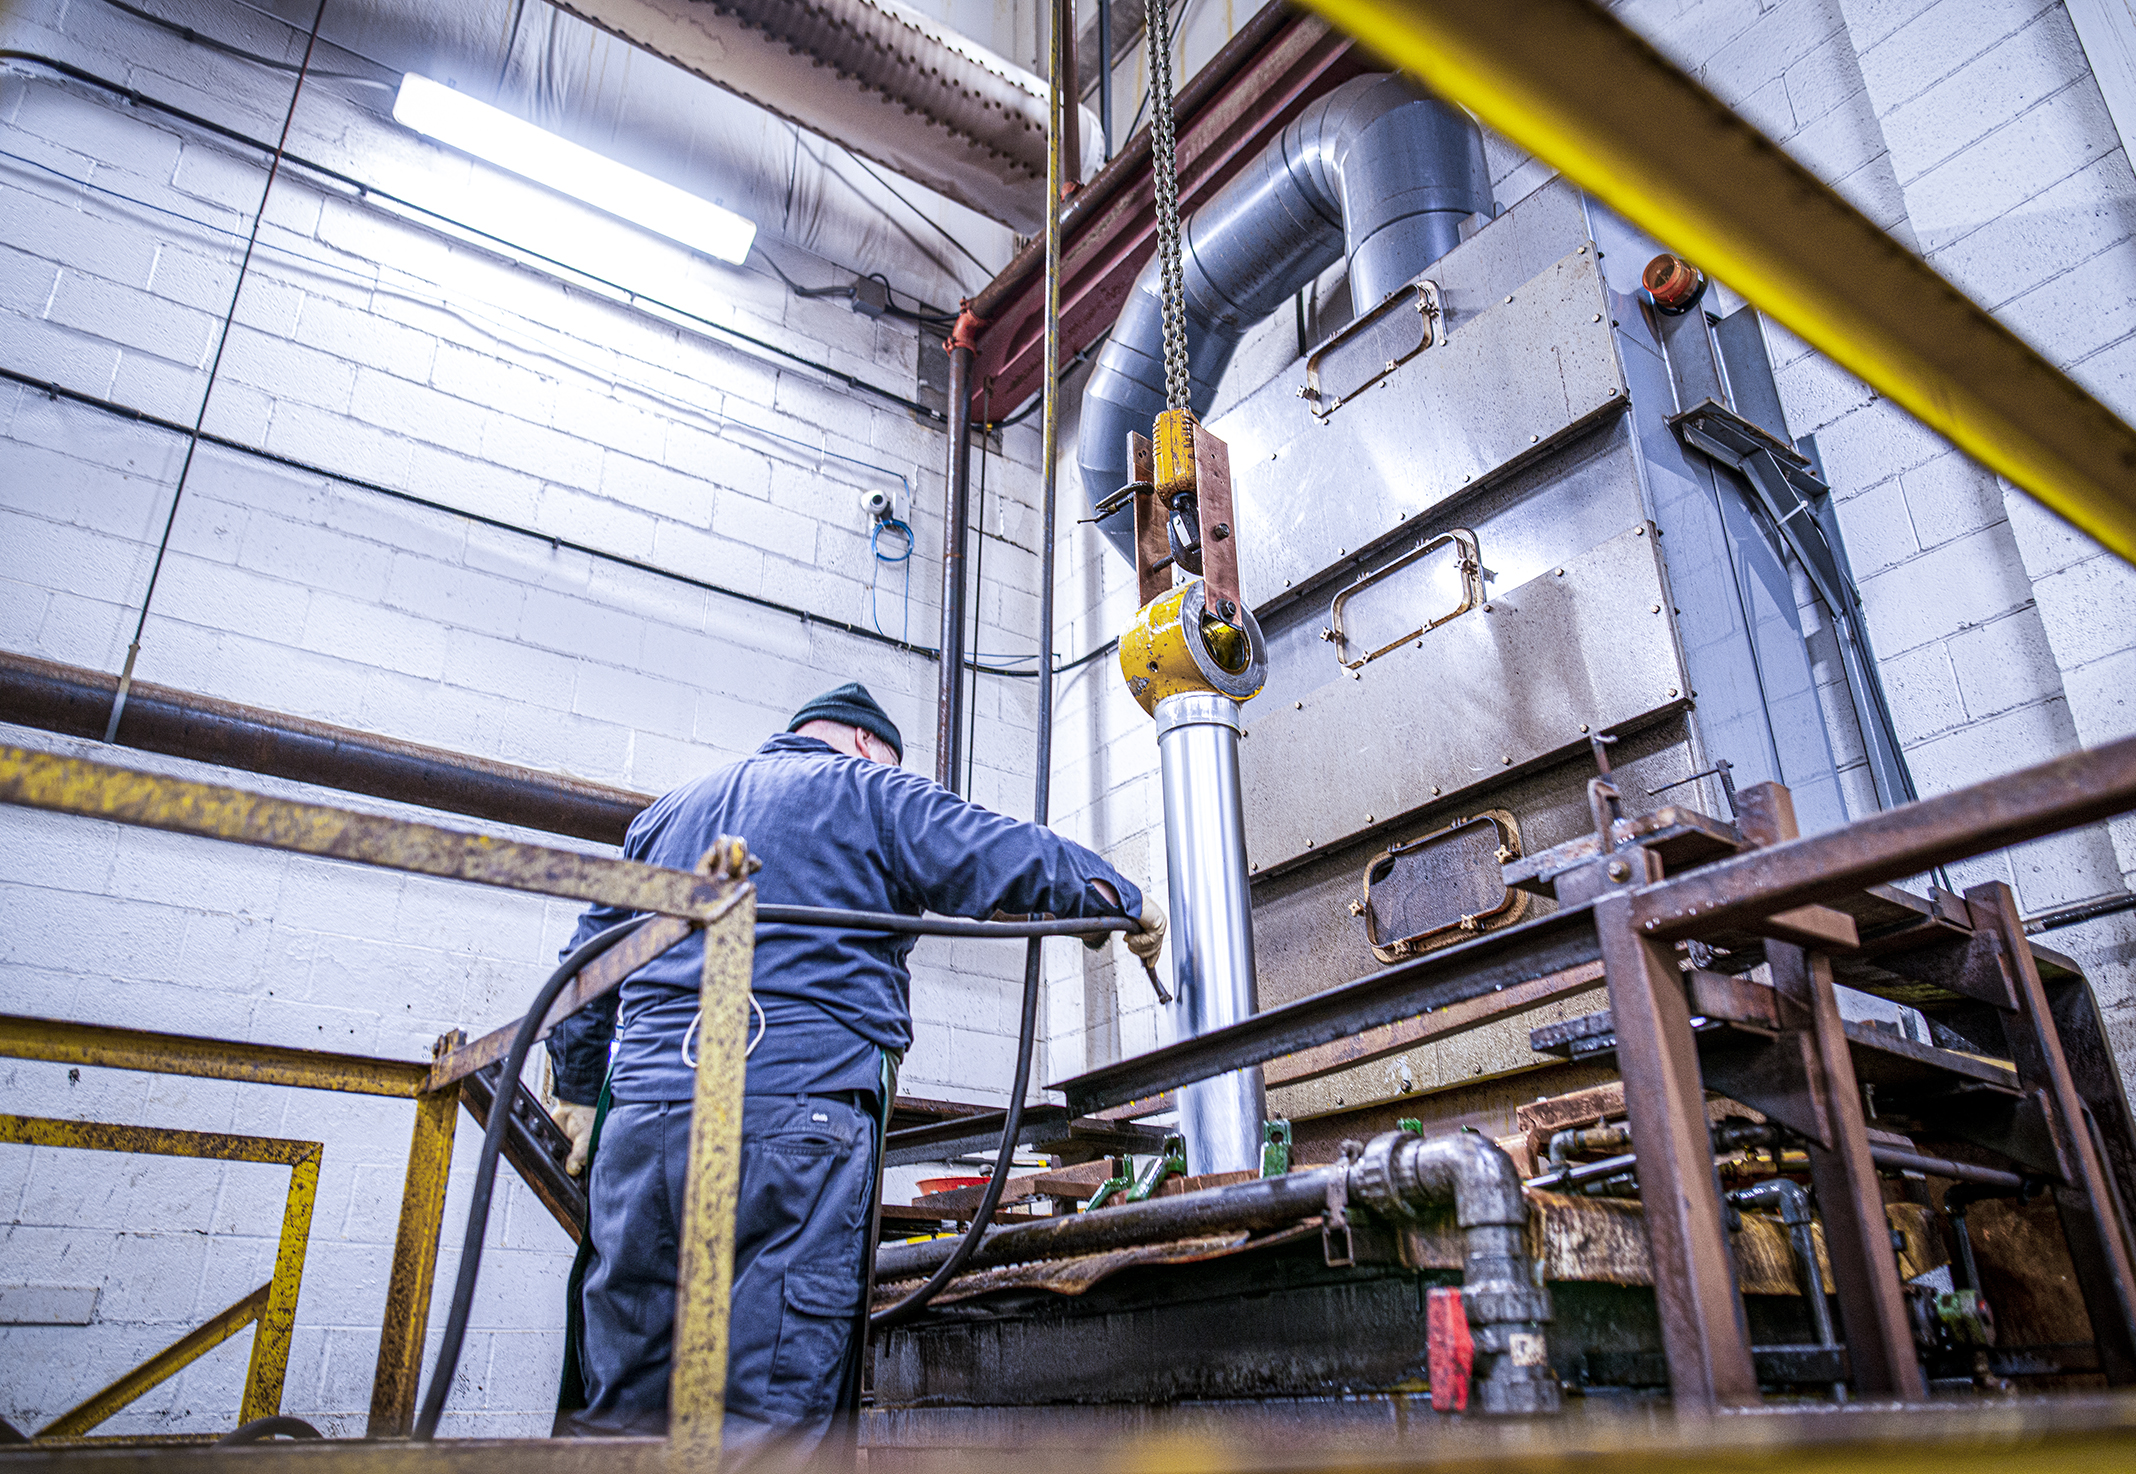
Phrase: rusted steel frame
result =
(1131, 163)
(173, 1358)
(1500, 960)
(1850, 1197)
(75, 702)
(2089, 1207)
(269, 1365)
(1703, 1331)
(394, 1381)
(2076, 789)
(108, 1047)
(534, 1146)
(704, 1282)
(1430, 1028)
(601, 976)
(101, 791)
(1105, 249)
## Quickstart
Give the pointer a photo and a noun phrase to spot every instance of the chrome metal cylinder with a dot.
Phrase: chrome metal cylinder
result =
(1212, 919)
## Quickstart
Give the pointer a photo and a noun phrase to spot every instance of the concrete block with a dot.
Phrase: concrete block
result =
(336, 443)
(1879, 440)
(74, 558)
(556, 622)
(367, 339)
(2077, 313)
(194, 279)
(2067, 223)
(714, 458)
(224, 597)
(313, 555)
(552, 455)
(761, 525)
(1961, 583)
(370, 635)
(504, 667)
(2047, 542)
(1950, 497)
(2010, 168)
(668, 494)
(597, 522)
(454, 596)
(488, 380)
(1824, 79)
(417, 411)
(618, 421)
(1935, 41)
(1987, 749)
(2005, 663)
(636, 701)
(131, 318)
(2014, 73)
(2102, 698)
(2089, 609)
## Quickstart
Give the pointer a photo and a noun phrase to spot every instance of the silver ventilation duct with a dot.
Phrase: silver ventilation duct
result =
(883, 79)
(1375, 170)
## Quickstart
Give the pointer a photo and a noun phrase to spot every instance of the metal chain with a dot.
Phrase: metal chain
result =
(1164, 168)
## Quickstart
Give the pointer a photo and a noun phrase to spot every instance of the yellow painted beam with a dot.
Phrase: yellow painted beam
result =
(415, 1263)
(1571, 84)
(68, 1043)
(101, 791)
(173, 1358)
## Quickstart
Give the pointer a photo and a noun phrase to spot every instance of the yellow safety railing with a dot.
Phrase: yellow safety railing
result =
(717, 898)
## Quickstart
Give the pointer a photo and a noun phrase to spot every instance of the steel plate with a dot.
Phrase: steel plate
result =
(1515, 374)
(1507, 684)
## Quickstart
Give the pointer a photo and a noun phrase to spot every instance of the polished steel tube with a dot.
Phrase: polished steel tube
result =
(1212, 919)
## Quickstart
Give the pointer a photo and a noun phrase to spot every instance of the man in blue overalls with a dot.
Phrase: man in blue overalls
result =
(837, 823)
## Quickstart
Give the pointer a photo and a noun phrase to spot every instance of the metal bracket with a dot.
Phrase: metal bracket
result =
(1471, 595)
(1275, 1147)
(1372, 347)
(1171, 1162)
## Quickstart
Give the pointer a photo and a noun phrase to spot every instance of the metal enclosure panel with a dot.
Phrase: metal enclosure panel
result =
(1511, 378)
(1471, 703)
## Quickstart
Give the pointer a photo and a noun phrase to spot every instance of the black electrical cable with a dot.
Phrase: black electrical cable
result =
(260, 1429)
(478, 1206)
(940, 926)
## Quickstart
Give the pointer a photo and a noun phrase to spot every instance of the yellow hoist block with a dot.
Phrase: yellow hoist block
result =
(1172, 454)
(1175, 645)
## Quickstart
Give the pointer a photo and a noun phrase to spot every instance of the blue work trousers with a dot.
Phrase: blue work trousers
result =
(801, 1222)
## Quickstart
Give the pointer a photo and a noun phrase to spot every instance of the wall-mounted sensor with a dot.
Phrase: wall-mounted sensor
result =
(877, 504)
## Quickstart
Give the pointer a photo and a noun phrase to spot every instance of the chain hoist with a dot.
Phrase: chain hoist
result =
(1195, 636)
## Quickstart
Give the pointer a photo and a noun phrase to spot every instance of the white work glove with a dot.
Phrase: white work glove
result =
(576, 1122)
(1147, 943)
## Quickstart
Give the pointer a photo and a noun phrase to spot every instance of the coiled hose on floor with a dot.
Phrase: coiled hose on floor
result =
(478, 1207)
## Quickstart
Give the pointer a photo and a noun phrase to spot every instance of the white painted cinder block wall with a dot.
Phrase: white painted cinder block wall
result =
(388, 349)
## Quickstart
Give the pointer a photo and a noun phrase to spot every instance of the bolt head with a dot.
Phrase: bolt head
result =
(1618, 870)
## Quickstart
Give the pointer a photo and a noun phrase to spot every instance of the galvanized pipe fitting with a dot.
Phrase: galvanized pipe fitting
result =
(1502, 1287)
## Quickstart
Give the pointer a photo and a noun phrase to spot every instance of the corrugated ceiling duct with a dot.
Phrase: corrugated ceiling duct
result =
(882, 79)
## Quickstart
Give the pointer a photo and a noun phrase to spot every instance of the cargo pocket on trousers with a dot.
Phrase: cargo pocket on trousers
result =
(814, 1331)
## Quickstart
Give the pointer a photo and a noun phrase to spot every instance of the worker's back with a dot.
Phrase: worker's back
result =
(839, 831)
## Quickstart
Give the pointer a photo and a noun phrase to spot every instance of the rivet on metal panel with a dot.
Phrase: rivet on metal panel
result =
(1435, 790)
(1368, 818)
(1672, 691)
(1583, 726)
(1508, 760)
(1611, 393)
(1466, 478)
(1509, 299)
(1308, 844)
(1639, 531)
(1598, 317)
(1487, 609)
(1653, 609)
(1357, 908)
(1357, 675)
(1561, 573)
(1534, 439)
(1298, 706)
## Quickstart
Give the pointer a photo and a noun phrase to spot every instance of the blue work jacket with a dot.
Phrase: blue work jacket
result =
(833, 831)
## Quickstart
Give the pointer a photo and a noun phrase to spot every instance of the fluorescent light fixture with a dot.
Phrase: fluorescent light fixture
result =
(510, 143)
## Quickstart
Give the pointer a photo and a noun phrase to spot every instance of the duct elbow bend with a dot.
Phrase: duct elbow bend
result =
(1479, 1177)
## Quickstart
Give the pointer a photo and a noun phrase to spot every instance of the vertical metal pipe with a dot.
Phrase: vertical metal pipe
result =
(956, 526)
(1069, 93)
(1105, 71)
(1212, 919)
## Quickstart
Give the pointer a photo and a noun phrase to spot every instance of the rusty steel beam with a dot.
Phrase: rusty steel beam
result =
(1232, 109)
(1743, 891)
(75, 702)
(67, 1043)
(1430, 1028)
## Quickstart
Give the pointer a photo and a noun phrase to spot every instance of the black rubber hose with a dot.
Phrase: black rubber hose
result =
(943, 926)
(264, 1428)
(1011, 1127)
(478, 1206)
